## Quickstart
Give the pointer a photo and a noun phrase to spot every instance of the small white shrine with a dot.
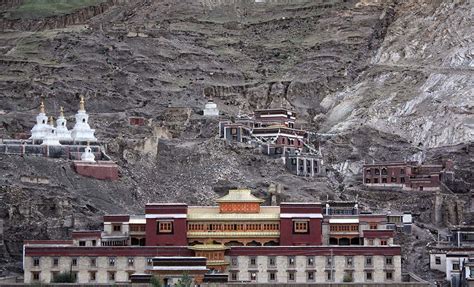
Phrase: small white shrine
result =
(82, 131)
(210, 109)
(41, 128)
(51, 137)
(87, 155)
(62, 132)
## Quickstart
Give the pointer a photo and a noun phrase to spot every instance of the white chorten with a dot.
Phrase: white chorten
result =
(51, 137)
(87, 155)
(210, 109)
(82, 131)
(41, 128)
(62, 133)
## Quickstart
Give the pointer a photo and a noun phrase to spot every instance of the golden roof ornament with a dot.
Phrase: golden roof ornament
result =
(42, 107)
(51, 121)
(82, 104)
(61, 112)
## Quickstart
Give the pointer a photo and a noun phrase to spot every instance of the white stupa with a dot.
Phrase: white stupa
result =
(210, 109)
(62, 132)
(51, 137)
(87, 155)
(41, 128)
(82, 131)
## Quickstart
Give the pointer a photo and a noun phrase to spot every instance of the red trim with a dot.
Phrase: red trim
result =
(314, 250)
(51, 242)
(86, 234)
(300, 208)
(157, 208)
(116, 218)
(107, 251)
(372, 233)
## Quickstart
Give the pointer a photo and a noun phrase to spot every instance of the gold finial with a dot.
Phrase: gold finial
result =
(51, 121)
(82, 104)
(42, 107)
(61, 112)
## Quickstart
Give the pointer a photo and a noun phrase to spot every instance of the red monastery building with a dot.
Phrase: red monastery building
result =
(238, 240)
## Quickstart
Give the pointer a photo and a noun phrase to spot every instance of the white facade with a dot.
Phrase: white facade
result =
(51, 137)
(210, 109)
(82, 131)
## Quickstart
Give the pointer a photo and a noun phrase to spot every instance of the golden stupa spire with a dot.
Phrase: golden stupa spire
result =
(51, 121)
(61, 112)
(42, 107)
(82, 104)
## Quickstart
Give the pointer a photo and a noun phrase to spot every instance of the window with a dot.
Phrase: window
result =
(310, 276)
(253, 276)
(367, 180)
(371, 242)
(92, 276)
(377, 171)
(54, 275)
(310, 261)
(300, 227)
(455, 265)
(94, 242)
(384, 171)
(384, 180)
(55, 261)
(389, 275)
(82, 243)
(348, 276)
(253, 261)
(234, 262)
(36, 261)
(402, 171)
(111, 261)
(35, 276)
(291, 276)
(402, 180)
(329, 275)
(349, 260)
(383, 242)
(117, 227)
(149, 262)
(234, 276)
(74, 276)
(368, 276)
(233, 131)
(367, 171)
(93, 262)
(272, 276)
(373, 226)
(272, 261)
(291, 261)
(131, 261)
(389, 260)
(74, 262)
(328, 261)
(376, 180)
(393, 179)
(165, 227)
(368, 260)
(437, 260)
(111, 275)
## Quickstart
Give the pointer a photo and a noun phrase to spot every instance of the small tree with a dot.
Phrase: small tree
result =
(64, 277)
(184, 281)
(156, 281)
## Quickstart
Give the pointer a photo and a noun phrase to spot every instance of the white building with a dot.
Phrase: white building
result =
(82, 131)
(62, 131)
(41, 128)
(210, 109)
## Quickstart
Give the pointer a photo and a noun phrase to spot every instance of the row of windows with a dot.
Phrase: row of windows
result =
(111, 275)
(137, 228)
(92, 261)
(384, 180)
(384, 171)
(233, 227)
(310, 276)
(310, 261)
(347, 228)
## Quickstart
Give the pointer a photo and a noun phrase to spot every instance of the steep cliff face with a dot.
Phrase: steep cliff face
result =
(377, 80)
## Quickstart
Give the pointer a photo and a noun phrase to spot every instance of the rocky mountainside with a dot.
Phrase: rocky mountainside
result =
(375, 80)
